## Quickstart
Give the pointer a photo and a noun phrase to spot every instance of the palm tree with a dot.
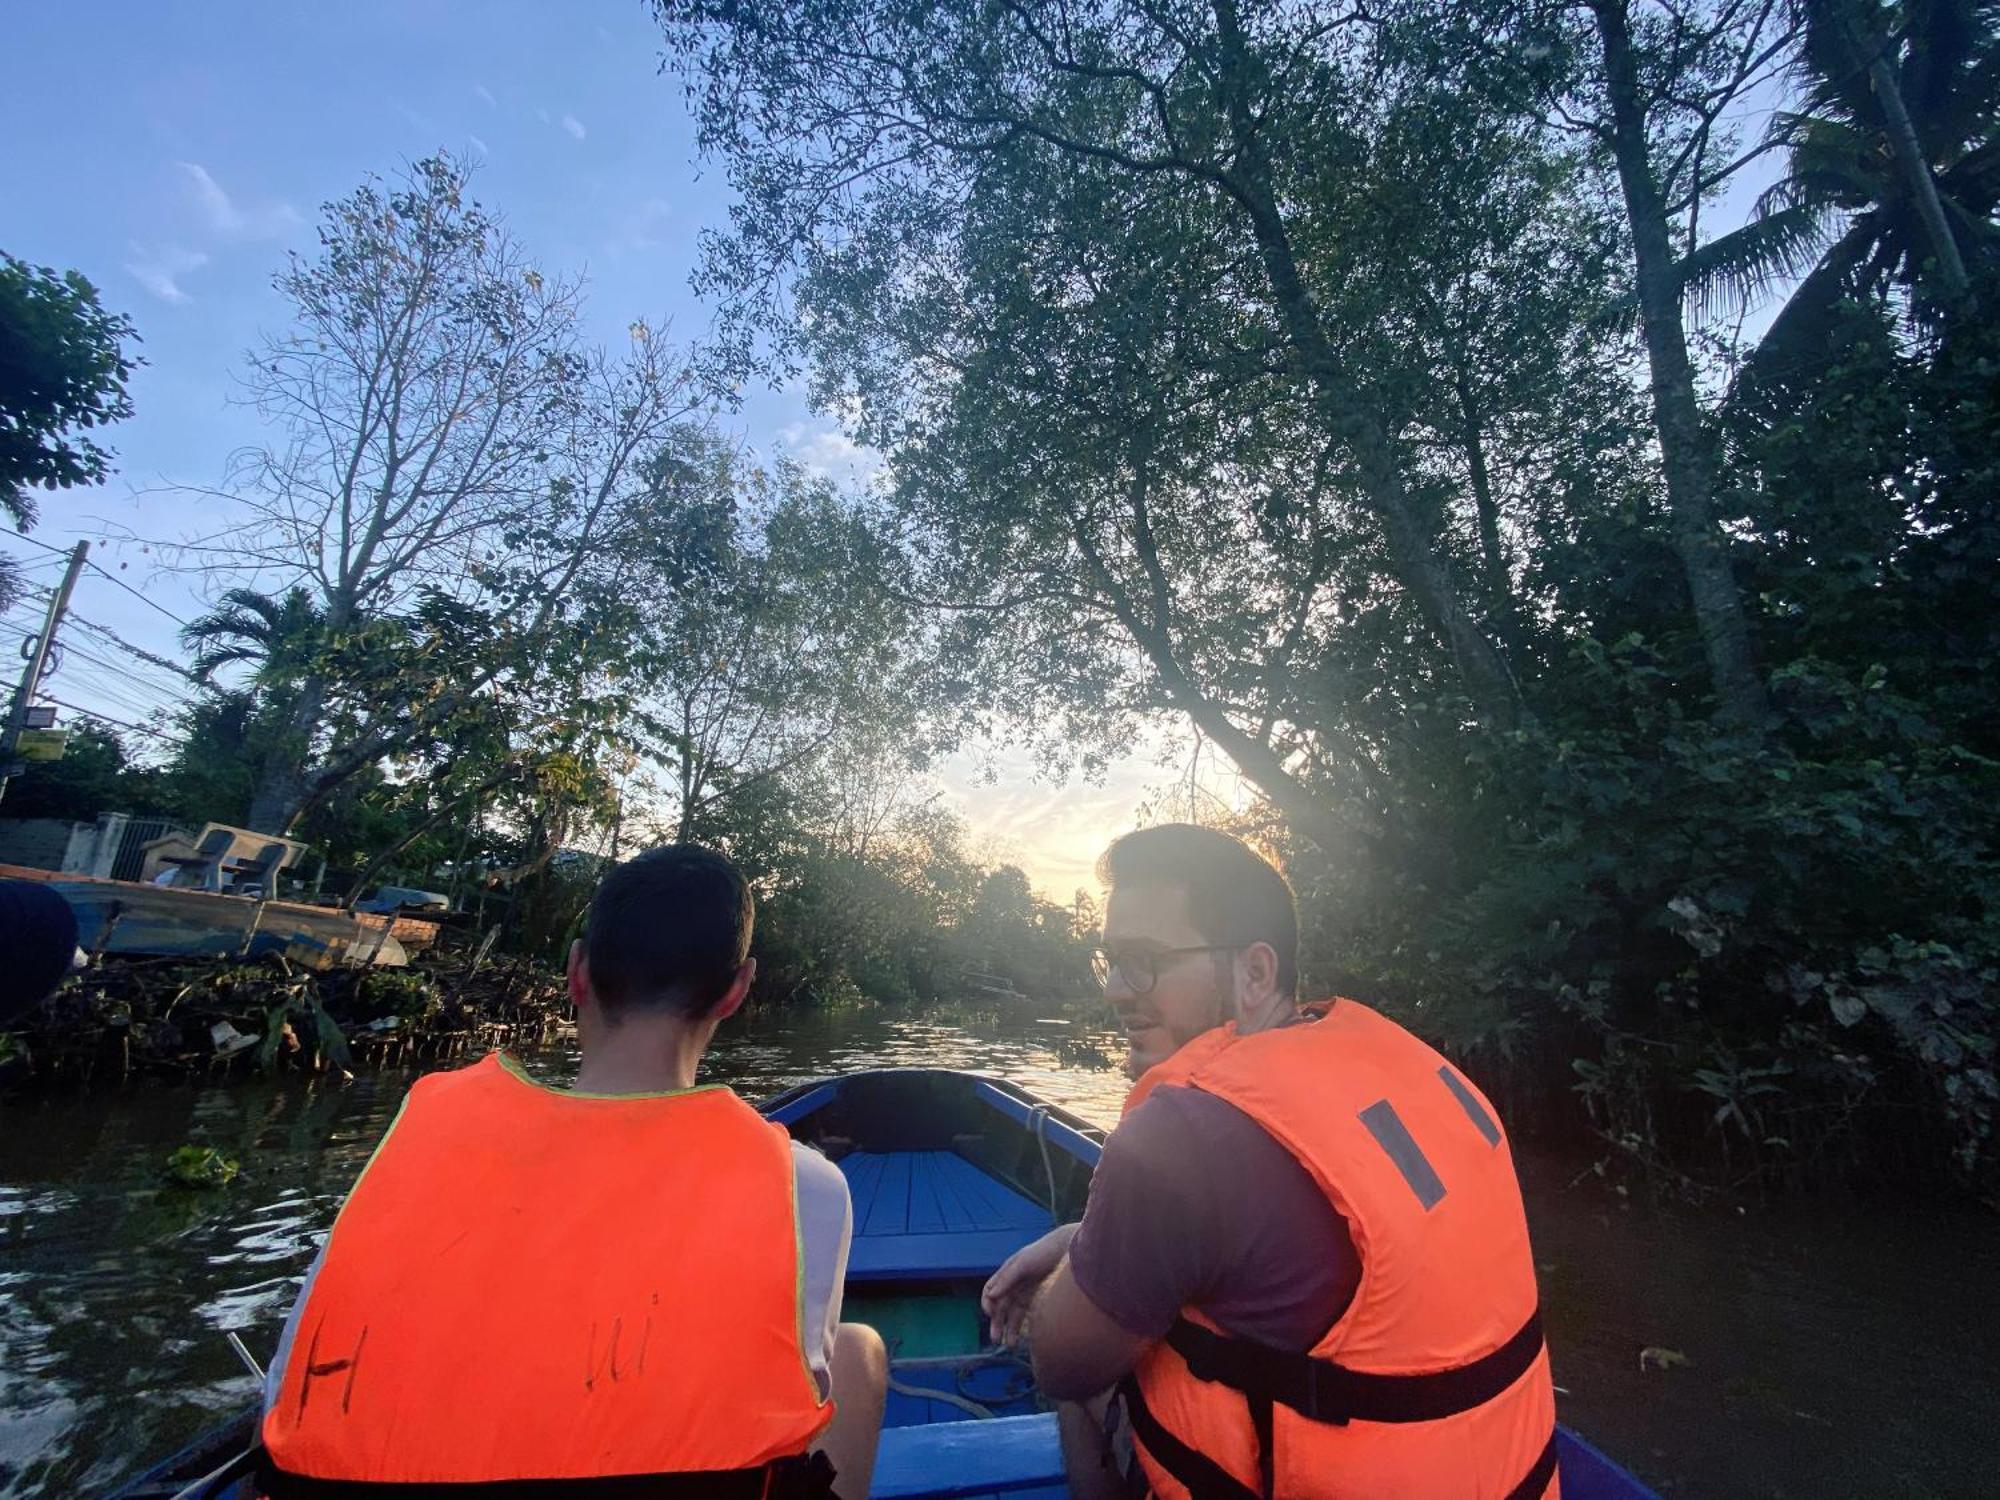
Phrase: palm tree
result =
(1893, 172)
(278, 637)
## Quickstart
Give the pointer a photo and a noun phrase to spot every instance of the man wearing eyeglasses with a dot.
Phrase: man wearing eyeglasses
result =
(1304, 1264)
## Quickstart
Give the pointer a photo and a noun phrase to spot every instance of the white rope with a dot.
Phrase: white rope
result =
(1038, 1119)
(949, 1398)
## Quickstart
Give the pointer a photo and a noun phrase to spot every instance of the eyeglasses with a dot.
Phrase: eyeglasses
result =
(1139, 967)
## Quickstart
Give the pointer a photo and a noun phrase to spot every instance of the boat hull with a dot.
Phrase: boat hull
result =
(126, 917)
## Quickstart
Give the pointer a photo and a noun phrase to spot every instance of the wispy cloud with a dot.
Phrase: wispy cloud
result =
(159, 269)
(478, 145)
(574, 126)
(485, 96)
(645, 228)
(227, 217)
(826, 450)
(425, 126)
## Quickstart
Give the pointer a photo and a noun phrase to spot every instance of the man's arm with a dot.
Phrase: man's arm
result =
(826, 1230)
(1147, 1247)
(1078, 1350)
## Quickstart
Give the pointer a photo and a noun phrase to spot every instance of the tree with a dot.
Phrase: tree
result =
(63, 368)
(759, 639)
(1920, 79)
(444, 435)
(1212, 346)
(1889, 177)
(1198, 343)
(857, 129)
(279, 639)
(94, 775)
(1666, 79)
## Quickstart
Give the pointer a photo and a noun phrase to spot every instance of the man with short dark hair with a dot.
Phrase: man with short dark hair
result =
(630, 1286)
(1304, 1263)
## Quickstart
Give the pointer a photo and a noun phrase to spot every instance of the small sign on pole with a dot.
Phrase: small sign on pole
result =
(39, 716)
(41, 744)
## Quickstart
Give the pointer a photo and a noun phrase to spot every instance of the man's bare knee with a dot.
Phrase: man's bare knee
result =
(860, 1355)
(859, 1365)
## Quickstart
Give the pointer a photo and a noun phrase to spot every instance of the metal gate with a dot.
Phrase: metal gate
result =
(139, 832)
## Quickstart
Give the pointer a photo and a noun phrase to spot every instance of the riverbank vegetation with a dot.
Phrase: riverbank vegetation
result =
(1550, 450)
(132, 1019)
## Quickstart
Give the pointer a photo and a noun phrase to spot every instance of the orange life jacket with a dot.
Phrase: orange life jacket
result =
(1434, 1383)
(533, 1288)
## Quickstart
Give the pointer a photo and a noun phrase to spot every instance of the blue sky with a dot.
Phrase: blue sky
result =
(175, 152)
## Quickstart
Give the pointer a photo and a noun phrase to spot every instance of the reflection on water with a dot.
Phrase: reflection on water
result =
(1832, 1350)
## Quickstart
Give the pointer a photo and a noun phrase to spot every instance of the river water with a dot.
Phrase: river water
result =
(1830, 1349)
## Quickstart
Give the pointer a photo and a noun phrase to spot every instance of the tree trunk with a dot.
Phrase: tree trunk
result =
(281, 786)
(1411, 544)
(383, 856)
(1918, 180)
(1690, 476)
(1499, 587)
(1260, 764)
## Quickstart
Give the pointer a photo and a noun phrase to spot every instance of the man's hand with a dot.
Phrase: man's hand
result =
(1010, 1291)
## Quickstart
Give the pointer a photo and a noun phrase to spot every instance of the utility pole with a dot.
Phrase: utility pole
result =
(38, 661)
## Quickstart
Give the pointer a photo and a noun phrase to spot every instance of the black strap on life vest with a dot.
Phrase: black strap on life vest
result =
(1325, 1391)
(1535, 1483)
(1205, 1479)
(807, 1477)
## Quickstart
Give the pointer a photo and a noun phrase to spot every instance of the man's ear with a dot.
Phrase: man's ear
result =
(1256, 984)
(738, 991)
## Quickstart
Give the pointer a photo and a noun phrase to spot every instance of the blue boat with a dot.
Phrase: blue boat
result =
(950, 1174)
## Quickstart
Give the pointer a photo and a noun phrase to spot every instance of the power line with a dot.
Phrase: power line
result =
(156, 676)
(180, 682)
(111, 577)
(164, 663)
(100, 718)
(144, 599)
(121, 694)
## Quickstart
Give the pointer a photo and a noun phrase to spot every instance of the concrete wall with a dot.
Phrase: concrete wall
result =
(44, 843)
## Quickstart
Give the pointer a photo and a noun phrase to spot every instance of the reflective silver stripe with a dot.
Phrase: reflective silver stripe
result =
(1469, 1102)
(1394, 1137)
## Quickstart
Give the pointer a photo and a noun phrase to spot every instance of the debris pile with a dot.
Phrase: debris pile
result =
(130, 1018)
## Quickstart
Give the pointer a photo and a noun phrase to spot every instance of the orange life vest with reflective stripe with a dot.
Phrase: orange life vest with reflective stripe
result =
(528, 1284)
(1434, 1383)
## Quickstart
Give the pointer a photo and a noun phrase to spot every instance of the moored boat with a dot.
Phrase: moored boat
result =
(950, 1172)
(130, 917)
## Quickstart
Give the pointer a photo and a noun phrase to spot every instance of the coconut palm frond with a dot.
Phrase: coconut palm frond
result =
(209, 660)
(1746, 266)
(1798, 337)
(250, 627)
(1950, 40)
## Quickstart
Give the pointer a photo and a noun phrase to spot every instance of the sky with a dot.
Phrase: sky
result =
(174, 153)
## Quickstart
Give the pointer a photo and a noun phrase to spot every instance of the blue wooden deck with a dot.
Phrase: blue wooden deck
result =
(1018, 1457)
(927, 1214)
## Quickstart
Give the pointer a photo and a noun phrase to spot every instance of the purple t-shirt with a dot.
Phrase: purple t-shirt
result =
(1194, 1205)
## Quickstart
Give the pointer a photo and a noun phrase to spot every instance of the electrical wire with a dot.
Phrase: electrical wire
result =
(145, 599)
(176, 688)
(109, 577)
(91, 713)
